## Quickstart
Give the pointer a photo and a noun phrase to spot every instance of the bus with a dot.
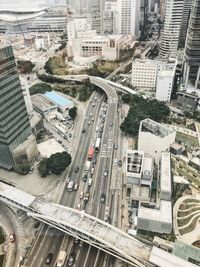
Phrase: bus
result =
(61, 258)
(70, 186)
(97, 144)
(90, 153)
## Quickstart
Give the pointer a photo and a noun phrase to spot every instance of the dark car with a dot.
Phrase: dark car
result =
(84, 130)
(120, 163)
(49, 258)
(103, 198)
(84, 178)
(71, 259)
(76, 169)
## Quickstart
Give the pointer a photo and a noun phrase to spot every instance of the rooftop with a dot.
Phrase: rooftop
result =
(57, 98)
(49, 147)
(42, 103)
(165, 172)
(155, 128)
(163, 214)
(134, 161)
(162, 258)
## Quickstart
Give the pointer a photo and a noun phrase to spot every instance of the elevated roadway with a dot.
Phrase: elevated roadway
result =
(79, 224)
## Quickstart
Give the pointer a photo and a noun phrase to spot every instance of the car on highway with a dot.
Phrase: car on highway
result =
(116, 146)
(93, 104)
(84, 178)
(71, 259)
(67, 180)
(90, 182)
(120, 163)
(84, 130)
(76, 240)
(92, 170)
(78, 206)
(103, 198)
(76, 186)
(81, 195)
(93, 119)
(90, 114)
(89, 122)
(87, 196)
(49, 258)
(12, 238)
(105, 174)
(77, 169)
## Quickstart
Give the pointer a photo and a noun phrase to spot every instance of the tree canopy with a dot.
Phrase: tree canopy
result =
(140, 109)
(25, 66)
(56, 164)
(39, 88)
(73, 112)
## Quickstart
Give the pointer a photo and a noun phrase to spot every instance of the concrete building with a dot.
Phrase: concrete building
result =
(50, 103)
(155, 138)
(154, 75)
(139, 168)
(144, 73)
(103, 47)
(192, 48)
(172, 25)
(165, 177)
(188, 102)
(129, 17)
(176, 149)
(110, 17)
(157, 219)
(165, 81)
(14, 120)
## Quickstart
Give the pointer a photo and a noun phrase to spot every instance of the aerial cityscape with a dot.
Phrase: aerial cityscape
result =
(99, 133)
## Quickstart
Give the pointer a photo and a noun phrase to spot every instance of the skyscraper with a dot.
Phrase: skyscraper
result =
(171, 31)
(192, 47)
(129, 17)
(14, 122)
(184, 22)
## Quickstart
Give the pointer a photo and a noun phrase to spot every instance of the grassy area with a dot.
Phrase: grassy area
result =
(107, 66)
(150, 235)
(1, 260)
(186, 139)
(2, 236)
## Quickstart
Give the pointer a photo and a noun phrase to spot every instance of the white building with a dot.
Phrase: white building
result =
(79, 28)
(104, 47)
(157, 219)
(154, 75)
(165, 177)
(144, 73)
(155, 138)
(165, 81)
(139, 168)
(172, 25)
(128, 17)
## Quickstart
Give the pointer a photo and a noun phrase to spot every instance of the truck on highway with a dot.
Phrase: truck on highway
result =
(90, 153)
(61, 258)
(87, 166)
(97, 144)
(70, 186)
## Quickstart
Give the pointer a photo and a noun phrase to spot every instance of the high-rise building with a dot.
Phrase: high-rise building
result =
(96, 9)
(184, 23)
(172, 25)
(128, 17)
(192, 47)
(14, 121)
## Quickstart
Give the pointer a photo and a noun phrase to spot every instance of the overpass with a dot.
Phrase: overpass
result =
(89, 229)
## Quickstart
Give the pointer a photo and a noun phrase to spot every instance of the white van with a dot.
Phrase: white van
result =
(90, 182)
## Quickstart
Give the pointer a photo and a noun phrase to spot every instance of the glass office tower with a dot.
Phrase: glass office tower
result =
(14, 121)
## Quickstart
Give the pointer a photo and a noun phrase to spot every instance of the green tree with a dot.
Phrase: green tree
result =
(23, 167)
(58, 162)
(25, 66)
(73, 112)
(43, 167)
(39, 88)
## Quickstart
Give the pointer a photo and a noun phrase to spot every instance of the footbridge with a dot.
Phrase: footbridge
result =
(89, 229)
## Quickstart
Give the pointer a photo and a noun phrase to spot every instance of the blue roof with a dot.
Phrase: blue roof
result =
(57, 99)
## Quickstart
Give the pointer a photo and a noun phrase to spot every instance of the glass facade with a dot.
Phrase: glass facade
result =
(192, 48)
(14, 122)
